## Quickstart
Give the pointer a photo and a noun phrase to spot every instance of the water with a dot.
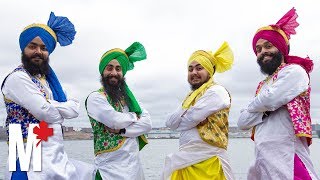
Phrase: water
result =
(240, 150)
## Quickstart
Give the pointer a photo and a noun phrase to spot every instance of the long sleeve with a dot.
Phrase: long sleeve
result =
(291, 81)
(174, 119)
(20, 89)
(69, 109)
(248, 120)
(141, 126)
(213, 100)
(99, 109)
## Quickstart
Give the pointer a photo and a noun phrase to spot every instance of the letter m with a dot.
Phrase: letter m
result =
(24, 155)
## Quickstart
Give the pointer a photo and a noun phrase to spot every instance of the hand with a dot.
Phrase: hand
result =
(266, 114)
(203, 122)
(115, 131)
(184, 113)
(138, 116)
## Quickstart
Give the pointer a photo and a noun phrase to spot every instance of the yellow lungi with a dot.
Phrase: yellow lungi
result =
(208, 169)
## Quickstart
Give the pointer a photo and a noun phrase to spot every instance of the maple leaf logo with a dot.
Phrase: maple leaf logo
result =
(42, 132)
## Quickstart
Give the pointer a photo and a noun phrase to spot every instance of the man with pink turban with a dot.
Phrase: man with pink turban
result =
(280, 111)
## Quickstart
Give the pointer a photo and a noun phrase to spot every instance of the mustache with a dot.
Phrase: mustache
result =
(195, 76)
(112, 76)
(37, 56)
(264, 55)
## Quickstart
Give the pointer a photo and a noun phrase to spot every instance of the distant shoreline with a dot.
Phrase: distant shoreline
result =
(85, 139)
(80, 135)
(69, 133)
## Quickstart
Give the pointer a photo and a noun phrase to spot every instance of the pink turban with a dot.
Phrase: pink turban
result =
(279, 35)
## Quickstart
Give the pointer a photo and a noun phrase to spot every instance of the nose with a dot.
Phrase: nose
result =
(113, 71)
(264, 50)
(38, 50)
(194, 71)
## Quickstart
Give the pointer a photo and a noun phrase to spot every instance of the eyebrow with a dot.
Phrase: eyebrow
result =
(110, 65)
(195, 65)
(36, 44)
(265, 43)
(33, 43)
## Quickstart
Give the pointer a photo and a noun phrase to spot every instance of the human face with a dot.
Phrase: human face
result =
(269, 57)
(113, 72)
(36, 51)
(197, 75)
(265, 50)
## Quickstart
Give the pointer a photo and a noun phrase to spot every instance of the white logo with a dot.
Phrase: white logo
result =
(24, 150)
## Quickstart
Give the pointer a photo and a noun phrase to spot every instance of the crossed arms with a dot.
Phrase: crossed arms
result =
(291, 81)
(99, 109)
(20, 89)
(213, 100)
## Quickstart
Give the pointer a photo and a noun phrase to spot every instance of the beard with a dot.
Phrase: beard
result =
(116, 91)
(33, 68)
(197, 85)
(270, 66)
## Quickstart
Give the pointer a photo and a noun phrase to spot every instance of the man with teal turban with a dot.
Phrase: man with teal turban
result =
(202, 121)
(118, 121)
(33, 93)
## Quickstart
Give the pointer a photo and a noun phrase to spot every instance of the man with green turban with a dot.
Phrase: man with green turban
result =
(118, 121)
(203, 121)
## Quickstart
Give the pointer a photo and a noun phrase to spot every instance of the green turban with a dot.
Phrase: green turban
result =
(134, 53)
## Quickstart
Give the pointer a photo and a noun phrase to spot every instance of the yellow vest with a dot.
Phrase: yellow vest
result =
(215, 131)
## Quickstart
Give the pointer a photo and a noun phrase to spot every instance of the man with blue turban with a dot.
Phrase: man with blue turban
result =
(33, 93)
(118, 121)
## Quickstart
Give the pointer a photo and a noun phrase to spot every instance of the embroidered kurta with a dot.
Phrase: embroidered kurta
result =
(20, 89)
(123, 163)
(192, 149)
(275, 141)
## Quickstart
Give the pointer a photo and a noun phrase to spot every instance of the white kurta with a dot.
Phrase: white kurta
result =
(124, 163)
(275, 141)
(19, 88)
(192, 149)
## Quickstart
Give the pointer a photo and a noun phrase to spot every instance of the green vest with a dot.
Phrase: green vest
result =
(104, 141)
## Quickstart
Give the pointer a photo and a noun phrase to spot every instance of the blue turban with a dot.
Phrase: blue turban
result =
(58, 29)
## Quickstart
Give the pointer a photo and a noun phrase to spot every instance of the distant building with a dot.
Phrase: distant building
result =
(67, 129)
(3, 134)
(156, 133)
(233, 129)
(316, 129)
(86, 130)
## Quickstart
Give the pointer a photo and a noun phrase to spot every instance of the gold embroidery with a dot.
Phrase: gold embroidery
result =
(280, 31)
(43, 83)
(215, 130)
(43, 26)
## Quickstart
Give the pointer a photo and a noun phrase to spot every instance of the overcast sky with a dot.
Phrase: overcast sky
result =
(170, 30)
